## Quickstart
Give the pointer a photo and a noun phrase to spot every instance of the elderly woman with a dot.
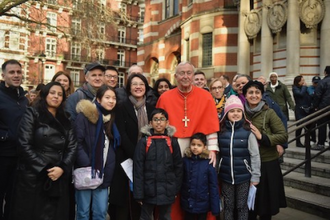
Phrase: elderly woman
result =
(46, 152)
(270, 132)
(131, 115)
(217, 92)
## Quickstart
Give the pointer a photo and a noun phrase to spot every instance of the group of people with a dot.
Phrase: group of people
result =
(189, 145)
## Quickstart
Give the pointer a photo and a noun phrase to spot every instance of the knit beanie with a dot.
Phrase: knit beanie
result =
(232, 102)
(273, 73)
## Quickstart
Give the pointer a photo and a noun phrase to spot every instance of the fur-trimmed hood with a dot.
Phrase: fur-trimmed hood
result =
(203, 155)
(170, 130)
(88, 109)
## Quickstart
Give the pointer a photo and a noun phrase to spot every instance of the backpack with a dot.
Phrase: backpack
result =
(167, 138)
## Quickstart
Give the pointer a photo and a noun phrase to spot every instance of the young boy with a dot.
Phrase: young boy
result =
(199, 193)
(157, 170)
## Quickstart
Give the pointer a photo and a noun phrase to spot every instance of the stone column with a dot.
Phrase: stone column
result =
(243, 50)
(266, 42)
(292, 42)
(324, 42)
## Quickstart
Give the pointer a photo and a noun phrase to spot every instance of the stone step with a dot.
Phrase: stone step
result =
(294, 214)
(299, 153)
(315, 184)
(318, 169)
(312, 203)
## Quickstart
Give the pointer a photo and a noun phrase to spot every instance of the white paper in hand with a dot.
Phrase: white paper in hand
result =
(252, 197)
(128, 168)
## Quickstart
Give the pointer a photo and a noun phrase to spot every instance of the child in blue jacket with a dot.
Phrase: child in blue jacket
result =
(199, 192)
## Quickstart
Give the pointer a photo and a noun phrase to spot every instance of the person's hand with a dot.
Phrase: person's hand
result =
(55, 173)
(280, 150)
(254, 183)
(212, 157)
(140, 202)
(256, 132)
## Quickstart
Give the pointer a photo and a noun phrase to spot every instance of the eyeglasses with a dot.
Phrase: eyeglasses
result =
(159, 119)
(111, 76)
(182, 73)
(137, 84)
(217, 88)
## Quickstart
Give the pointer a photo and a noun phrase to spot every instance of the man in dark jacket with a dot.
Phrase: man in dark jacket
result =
(322, 100)
(12, 106)
(94, 76)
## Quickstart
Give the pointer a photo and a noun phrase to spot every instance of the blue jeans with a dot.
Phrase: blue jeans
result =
(99, 200)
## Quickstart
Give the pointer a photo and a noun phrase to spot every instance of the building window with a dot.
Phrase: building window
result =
(121, 34)
(167, 8)
(207, 50)
(123, 8)
(49, 73)
(175, 7)
(52, 21)
(76, 26)
(121, 79)
(54, 2)
(141, 35)
(99, 55)
(14, 38)
(50, 47)
(75, 76)
(141, 14)
(121, 57)
(75, 51)
(101, 30)
(76, 4)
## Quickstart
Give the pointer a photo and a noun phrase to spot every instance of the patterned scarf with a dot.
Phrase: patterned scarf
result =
(141, 113)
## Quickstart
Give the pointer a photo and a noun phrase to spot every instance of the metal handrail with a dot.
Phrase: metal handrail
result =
(305, 123)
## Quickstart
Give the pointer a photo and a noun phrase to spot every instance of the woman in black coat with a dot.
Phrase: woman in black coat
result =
(303, 103)
(46, 152)
(131, 116)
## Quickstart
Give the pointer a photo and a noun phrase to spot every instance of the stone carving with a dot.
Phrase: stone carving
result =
(252, 24)
(311, 12)
(277, 16)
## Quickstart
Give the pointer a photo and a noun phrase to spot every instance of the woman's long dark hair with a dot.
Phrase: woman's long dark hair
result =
(41, 105)
(99, 95)
(297, 80)
(158, 81)
(246, 124)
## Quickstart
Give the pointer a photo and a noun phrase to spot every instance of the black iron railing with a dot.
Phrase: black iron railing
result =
(308, 124)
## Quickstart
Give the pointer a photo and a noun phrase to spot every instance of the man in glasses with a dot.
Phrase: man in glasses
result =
(111, 76)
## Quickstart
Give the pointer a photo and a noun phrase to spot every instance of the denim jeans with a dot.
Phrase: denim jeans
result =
(99, 200)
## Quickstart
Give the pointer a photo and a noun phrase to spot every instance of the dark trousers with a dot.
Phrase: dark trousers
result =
(132, 211)
(191, 216)
(323, 130)
(147, 210)
(7, 173)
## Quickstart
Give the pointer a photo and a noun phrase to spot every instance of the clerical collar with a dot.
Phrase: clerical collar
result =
(186, 93)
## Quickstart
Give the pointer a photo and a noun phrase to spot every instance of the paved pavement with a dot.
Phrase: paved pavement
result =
(294, 214)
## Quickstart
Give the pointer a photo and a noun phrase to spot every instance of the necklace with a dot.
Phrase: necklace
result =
(185, 96)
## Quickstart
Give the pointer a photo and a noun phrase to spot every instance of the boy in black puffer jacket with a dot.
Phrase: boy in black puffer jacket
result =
(157, 171)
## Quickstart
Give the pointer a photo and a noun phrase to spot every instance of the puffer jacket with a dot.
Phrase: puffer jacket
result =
(302, 99)
(85, 128)
(199, 191)
(157, 171)
(239, 154)
(272, 130)
(282, 97)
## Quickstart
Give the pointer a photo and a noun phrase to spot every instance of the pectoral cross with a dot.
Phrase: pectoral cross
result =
(185, 120)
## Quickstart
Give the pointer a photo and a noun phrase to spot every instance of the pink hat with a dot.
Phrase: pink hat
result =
(233, 102)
